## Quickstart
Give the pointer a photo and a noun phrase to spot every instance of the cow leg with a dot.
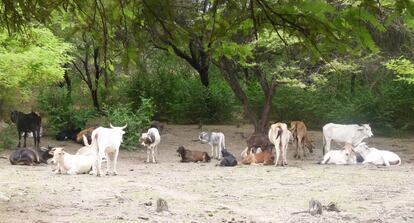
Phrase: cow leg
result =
(301, 149)
(212, 152)
(327, 146)
(296, 156)
(99, 166)
(277, 148)
(153, 154)
(19, 135)
(24, 137)
(115, 161)
(34, 139)
(108, 162)
(284, 151)
(148, 154)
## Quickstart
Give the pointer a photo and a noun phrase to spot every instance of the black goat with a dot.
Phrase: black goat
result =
(27, 123)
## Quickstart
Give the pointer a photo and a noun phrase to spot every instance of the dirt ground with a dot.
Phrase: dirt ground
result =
(199, 192)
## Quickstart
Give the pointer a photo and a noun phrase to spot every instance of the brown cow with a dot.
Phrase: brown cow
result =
(300, 139)
(266, 157)
(87, 132)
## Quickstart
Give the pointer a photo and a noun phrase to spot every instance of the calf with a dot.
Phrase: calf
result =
(266, 157)
(300, 139)
(72, 164)
(376, 156)
(228, 159)
(216, 140)
(86, 132)
(27, 123)
(150, 140)
(340, 157)
(351, 134)
(279, 135)
(192, 156)
(107, 141)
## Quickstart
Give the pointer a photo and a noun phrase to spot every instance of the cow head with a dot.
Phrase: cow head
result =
(366, 130)
(120, 130)
(181, 151)
(13, 116)
(361, 148)
(58, 154)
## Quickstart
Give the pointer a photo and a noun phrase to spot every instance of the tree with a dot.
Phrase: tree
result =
(30, 60)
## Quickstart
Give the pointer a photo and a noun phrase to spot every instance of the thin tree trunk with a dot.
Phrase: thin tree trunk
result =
(94, 94)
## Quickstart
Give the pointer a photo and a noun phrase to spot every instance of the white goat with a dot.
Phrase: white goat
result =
(107, 142)
(376, 156)
(279, 135)
(150, 140)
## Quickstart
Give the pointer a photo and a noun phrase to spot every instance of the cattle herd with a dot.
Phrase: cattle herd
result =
(102, 145)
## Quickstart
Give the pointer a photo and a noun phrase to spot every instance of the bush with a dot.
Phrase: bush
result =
(61, 112)
(8, 137)
(137, 119)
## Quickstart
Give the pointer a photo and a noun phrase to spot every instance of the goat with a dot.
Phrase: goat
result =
(279, 135)
(216, 140)
(300, 139)
(192, 156)
(266, 157)
(68, 134)
(150, 140)
(27, 123)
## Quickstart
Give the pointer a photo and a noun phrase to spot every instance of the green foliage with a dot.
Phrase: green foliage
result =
(137, 119)
(8, 137)
(61, 112)
(178, 94)
(404, 69)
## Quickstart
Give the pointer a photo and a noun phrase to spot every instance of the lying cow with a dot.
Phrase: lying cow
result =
(192, 156)
(266, 158)
(351, 134)
(340, 157)
(150, 140)
(86, 132)
(30, 157)
(107, 142)
(216, 140)
(228, 159)
(279, 135)
(376, 156)
(72, 164)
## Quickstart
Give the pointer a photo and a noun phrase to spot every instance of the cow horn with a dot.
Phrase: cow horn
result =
(110, 124)
(123, 127)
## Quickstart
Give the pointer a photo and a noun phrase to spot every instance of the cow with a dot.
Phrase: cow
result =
(86, 132)
(216, 140)
(300, 139)
(279, 135)
(26, 156)
(376, 156)
(266, 158)
(27, 123)
(73, 164)
(351, 134)
(107, 141)
(340, 157)
(150, 140)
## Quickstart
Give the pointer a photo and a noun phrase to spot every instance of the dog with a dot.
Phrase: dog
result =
(192, 156)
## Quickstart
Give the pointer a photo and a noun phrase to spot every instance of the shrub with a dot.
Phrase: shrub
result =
(8, 137)
(137, 119)
(61, 112)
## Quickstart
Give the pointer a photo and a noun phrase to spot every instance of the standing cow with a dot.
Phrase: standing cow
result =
(27, 123)
(351, 134)
(279, 135)
(216, 140)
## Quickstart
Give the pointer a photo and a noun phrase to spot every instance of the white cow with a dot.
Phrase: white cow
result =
(107, 141)
(376, 156)
(150, 140)
(340, 157)
(73, 164)
(279, 135)
(351, 134)
(216, 140)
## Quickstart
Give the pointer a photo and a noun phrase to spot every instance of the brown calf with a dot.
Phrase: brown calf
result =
(265, 157)
(87, 132)
(300, 139)
(192, 156)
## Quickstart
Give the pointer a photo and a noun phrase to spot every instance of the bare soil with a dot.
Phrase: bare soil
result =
(199, 192)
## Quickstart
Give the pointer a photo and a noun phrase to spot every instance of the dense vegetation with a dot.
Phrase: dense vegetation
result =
(208, 61)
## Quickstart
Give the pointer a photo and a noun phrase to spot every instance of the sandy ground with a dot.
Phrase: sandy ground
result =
(198, 192)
